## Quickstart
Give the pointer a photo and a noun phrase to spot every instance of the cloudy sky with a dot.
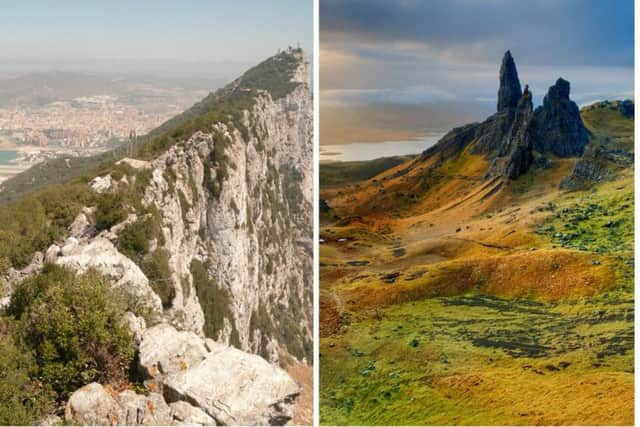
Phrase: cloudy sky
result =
(150, 35)
(412, 52)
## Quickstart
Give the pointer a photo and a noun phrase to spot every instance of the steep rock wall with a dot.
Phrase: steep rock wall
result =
(236, 204)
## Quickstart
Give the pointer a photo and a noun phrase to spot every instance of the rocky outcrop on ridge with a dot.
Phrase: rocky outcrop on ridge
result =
(516, 154)
(194, 381)
(230, 201)
(516, 135)
(558, 127)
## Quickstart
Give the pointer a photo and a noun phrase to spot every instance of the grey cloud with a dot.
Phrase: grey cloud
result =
(570, 32)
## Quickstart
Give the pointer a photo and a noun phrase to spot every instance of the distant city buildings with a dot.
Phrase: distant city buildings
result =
(82, 123)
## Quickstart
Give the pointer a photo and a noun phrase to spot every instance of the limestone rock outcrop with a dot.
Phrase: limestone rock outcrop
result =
(92, 405)
(95, 405)
(228, 385)
(100, 254)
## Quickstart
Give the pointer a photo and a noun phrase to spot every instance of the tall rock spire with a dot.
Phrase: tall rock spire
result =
(510, 91)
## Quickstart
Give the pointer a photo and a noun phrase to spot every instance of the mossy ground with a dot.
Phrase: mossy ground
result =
(502, 362)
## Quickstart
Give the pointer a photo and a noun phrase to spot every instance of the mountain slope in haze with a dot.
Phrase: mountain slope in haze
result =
(225, 102)
(200, 234)
(490, 280)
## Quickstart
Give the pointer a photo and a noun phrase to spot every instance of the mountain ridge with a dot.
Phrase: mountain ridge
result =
(204, 227)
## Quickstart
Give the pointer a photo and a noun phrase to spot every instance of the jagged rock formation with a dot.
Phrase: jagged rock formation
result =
(509, 92)
(557, 123)
(592, 168)
(516, 135)
(94, 405)
(516, 154)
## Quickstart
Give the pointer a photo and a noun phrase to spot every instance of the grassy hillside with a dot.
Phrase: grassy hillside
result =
(610, 123)
(480, 302)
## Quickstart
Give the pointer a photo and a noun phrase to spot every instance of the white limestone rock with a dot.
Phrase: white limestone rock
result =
(80, 226)
(101, 184)
(100, 254)
(136, 325)
(52, 253)
(138, 409)
(235, 388)
(92, 405)
(165, 350)
(183, 413)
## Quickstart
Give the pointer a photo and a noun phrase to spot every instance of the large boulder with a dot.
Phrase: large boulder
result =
(236, 388)
(101, 255)
(92, 405)
(228, 385)
(165, 350)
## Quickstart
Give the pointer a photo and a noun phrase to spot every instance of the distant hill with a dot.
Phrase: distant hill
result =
(335, 173)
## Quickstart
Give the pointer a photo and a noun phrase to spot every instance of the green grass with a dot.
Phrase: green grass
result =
(608, 125)
(474, 359)
(386, 369)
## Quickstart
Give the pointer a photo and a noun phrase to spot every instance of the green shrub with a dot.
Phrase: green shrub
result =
(156, 267)
(74, 326)
(36, 221)
(23, 400)
(133, 240)
(110, 210)
(215, 303)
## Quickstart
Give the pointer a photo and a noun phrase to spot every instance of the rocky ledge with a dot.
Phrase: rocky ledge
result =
(193, 381)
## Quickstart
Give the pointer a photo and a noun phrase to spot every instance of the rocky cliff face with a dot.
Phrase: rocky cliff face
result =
(253, 236)
(516, 154)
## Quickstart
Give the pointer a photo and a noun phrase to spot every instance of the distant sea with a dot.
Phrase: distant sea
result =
(359, 151)
(7, 156)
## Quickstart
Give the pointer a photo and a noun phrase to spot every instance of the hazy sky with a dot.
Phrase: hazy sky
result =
(148, 35)
(413, 52)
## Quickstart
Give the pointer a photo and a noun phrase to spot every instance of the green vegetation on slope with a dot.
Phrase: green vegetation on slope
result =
(39, 220)
(215, 303)
(225, 105)
(425, 363)
(23, 399)
(73, 325)
(476, 359)
(609, 123)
